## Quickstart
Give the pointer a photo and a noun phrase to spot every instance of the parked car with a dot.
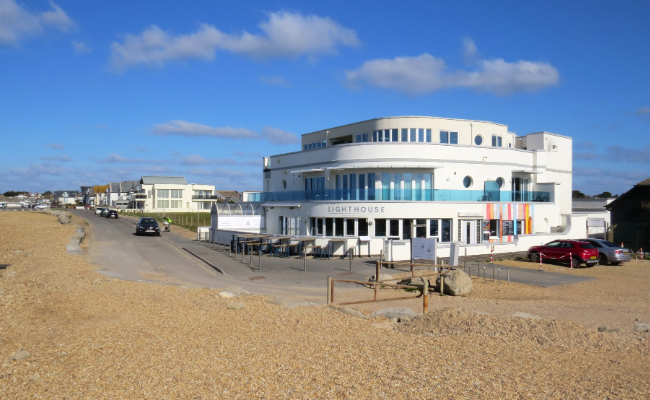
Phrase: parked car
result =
(565, 250)
(147, 226)
(41, 206)
(111, 214)
(98, 210)
(610, 252)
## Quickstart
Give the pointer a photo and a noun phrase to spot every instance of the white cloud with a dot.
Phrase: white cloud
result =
(426, 74)
(195, 159)
(644, 112)
(39, 169)
(80, 47)
(191, 129)
(278, 136)
(17, 23)
(285, 34)
(116, 158)
(54, 146)
(274, 80)
(56, 158)
(469, 48)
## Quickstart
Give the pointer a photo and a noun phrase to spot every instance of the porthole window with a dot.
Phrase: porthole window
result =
(478, 140)
(284, 184)
(500, 182)
(467, 182)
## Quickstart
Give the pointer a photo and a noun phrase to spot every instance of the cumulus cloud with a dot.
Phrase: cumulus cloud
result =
(114, 158)
(56, 158)
(278, 136)
(80, 47)
(284, 34)
(469, 49)
(191, 129)
(17, 23)
(55, 146)
(274, 80)
(426, 74)
(39, 169)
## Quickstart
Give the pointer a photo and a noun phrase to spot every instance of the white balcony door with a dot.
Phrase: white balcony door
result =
(468, 232)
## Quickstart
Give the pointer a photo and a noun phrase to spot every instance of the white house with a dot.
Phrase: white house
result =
(398, 178)
(172, 194)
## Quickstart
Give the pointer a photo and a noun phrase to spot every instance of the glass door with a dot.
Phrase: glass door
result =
(468, 232)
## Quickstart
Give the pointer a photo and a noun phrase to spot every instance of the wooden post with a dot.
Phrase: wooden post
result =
(376, 278)
(329, 290)
(442, 285)
(425, 295)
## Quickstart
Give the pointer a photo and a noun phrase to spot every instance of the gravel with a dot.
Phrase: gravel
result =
(122, 339)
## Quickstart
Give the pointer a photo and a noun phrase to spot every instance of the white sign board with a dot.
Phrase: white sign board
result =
(596, 222)
(423, 249)
(240, 222)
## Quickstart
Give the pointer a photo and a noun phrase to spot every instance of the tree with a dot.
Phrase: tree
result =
(604, 195)
(11, 193)
(47, 193)
(578, 194)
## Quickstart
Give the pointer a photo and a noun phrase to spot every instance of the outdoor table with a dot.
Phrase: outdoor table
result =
(288, 247)
(315, 247)
(274, 246)
(331, 246)
(302, 240)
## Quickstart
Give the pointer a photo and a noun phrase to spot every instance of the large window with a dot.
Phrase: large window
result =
(363, 227)
(387, 228)
(176, 194)
(405, 135)
(441, 229)
(453, 137)
(494, 228)
(176, 204)
(395, 135)
(162, 193)
(496, 141)
(444, 137)
(162, 203)
(338, 227)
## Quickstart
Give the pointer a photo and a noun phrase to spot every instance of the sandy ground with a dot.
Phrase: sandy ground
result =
(92, 337)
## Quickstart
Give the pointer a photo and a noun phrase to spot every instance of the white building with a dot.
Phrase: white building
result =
(398, 178)
(172, 194)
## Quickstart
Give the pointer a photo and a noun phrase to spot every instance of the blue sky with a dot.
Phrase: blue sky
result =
(103, 91)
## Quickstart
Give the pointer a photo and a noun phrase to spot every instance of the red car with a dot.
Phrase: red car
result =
(559, 250)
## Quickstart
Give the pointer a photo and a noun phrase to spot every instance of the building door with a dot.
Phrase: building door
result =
(468, 232)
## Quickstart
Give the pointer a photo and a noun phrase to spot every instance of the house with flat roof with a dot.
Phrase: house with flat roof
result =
(172, 194)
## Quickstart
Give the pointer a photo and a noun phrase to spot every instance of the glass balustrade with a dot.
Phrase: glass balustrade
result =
(406, 195)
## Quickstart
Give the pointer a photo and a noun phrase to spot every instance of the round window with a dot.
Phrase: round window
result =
(500, 182)
(478, 140)
(467, 182)
(284, 184)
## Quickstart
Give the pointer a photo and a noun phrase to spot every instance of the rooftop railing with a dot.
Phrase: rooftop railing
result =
(205, 197)
(406, 195)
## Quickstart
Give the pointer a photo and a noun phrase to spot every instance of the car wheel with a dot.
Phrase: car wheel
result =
(534, 257)
(137, 233)
(576, 263)
(602, 259)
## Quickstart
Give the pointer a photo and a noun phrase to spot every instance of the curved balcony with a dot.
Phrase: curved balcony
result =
(408, 195)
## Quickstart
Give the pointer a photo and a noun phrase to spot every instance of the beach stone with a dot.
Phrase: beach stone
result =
(348, 311)
(395, 313)
(602, 329)
(236, 306)
(640, 327)
(226, 295)
(73, 249)
(20, 355)
(529, 316)
(457, 283)
(17, 251)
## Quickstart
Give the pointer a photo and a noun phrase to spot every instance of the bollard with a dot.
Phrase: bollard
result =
(304, 260)
(259, 254)
(250, 254)
(230, 249)
(484, 274)
(508, 271)
(350, 254)
(376, 278)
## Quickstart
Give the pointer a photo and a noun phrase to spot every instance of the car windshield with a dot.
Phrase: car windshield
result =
(609, 244)
(147, 221)
(587, 246)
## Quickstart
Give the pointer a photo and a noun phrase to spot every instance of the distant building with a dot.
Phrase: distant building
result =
(630, 214)
(66, 196)
(172, 194)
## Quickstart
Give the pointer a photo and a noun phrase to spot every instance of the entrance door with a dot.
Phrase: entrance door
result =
(468, 232)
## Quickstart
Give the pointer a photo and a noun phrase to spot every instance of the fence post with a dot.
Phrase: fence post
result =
(377, 278)
(304, 260)
(442, 285)
(425, 296)
(329, 290)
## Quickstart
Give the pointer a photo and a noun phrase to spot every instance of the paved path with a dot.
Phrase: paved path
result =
(524, 275)
(119, 253)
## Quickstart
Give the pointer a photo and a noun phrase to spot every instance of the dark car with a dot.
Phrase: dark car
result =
(147, 226)
(576, 251)
(111, 214)
(610, 252)
(104, 212)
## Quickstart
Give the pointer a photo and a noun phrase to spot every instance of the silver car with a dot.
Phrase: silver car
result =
(610, 252)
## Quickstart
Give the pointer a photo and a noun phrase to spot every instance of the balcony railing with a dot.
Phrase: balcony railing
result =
(139, 197)
(205, 197)
(406, 195)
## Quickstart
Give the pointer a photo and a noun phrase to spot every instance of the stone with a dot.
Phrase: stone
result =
(236, 306)
(527, 316)
(226, 295)
(640, 327)
(395, 313)
(348, 311)
(73, 249)
(602, 329)
(237, 290)
(457, 283)
(20, 355)
(17, 251)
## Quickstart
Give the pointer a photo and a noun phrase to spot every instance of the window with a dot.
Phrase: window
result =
(395, 137)
(363, 227)
(433, 227)
(467, 181)
(162, 193)
(176, 194)
(453, 137)
(496, 141)
(413, 134)
(441, 229)
(394, 227)
(374, 136)
(338, 226)
(386, 135)
(407, 228)
(359, 138)
(421, 228)
(306, 146)
(421, 135)
(405, 135)
(444, 137)
(365, 138)
(329, 227)
(380, 227)
(349, 227)
(446, 230)
(499, 141)
(284, 184)
(362, 186)
(148, 194)
(371, 186)
(176, 204)
(478, 139)
(163, 203)
(554, 244)
(520, 226)
(500, 182)
(428, 138)
(494, 227)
